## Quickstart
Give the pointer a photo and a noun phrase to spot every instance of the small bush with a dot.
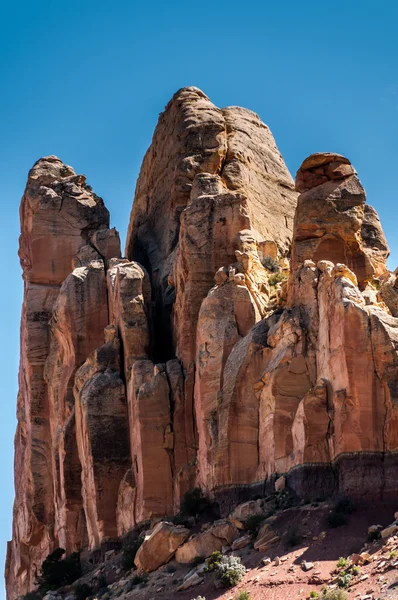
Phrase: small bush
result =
(230, 570)
(213, 561)
(337, 519)
(198, 560)
(392, 555)
(56, 571)
(284, 499)
(314, 594)
(345, 506)
(343, 580)
(32, 596)
(194, 503)
(276, 278)
(82, 591)
(137, 579)
(170, 569)
(355, 570)
(181, 519)
(129, 554)
(373, 535)
(342, 563)
(293, 536)
(243, 595)
(270, 263)
(253, 523)
(334, 595)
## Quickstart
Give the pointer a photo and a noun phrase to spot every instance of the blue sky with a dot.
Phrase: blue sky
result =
(86, 80)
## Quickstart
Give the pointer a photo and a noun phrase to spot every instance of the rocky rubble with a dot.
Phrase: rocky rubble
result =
(247, 344)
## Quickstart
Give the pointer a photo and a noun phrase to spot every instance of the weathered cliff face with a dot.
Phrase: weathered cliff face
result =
(62, 317)
(208, 174)
(201, 358)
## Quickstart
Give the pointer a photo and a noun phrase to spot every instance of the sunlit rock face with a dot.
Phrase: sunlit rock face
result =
(250, 332)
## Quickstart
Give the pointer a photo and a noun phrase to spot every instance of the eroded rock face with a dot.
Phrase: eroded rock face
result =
(212, 361)
(59, 215)
(208, 174)
(333, 222)
(102, 435)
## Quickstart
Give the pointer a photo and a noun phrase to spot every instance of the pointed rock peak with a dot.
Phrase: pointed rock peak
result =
(321, 167)
(48, 169)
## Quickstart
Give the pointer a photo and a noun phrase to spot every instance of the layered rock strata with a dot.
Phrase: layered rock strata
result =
(205, 358)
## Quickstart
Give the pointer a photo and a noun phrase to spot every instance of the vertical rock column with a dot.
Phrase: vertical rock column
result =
(59, 215)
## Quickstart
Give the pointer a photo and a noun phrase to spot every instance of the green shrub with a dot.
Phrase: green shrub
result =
(270, 263)
(198, 560)
(392, 555)
(253, 523)
(82, 591)
(243, 596)
(355, 570)
(213, 561)
(337, 519)
(137, 579)
(129, 554)
(194, 503)
(230, 570)
(342, 563)
(343, 580)
(56, 571)
(334, 595)
(276, 278)
(314, 594)
(293, 536)
(345, 506)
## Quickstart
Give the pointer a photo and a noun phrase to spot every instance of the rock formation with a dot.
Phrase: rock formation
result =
(205, 357)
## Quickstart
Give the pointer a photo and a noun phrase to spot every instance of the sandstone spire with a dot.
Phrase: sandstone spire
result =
(213, 361)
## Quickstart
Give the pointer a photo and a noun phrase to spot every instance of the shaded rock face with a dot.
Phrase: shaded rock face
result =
(204, 358)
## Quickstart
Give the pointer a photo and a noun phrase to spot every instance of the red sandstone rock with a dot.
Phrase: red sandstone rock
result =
(160, 546)
(59, 214)
(216, 369)
(102, 435)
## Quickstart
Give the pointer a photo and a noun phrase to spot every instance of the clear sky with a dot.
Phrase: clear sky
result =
(86, 80)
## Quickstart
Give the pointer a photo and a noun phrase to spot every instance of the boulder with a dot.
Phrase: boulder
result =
(160, 546)
(191, 581)
(242, 511)
(241, 542)
(221, 533)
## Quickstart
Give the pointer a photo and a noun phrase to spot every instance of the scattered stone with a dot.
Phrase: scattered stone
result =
(389, 531)
(307, 566)
(241, 542)
(190, 581)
